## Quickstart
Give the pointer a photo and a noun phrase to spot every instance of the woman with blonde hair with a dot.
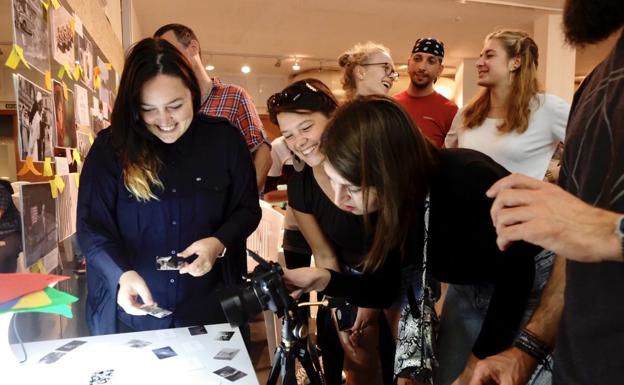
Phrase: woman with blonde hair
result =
(368, 69)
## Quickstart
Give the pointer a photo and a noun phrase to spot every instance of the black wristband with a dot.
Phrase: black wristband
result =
(532, 346)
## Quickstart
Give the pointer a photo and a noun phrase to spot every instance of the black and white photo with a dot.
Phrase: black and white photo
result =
(230, 374)
(30, 32)
(165, 352)
(36, 120)
(226, 354)
(62, 37)
(39, 228)
(224, 336)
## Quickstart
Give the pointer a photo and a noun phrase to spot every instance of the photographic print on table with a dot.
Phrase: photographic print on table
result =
(197, 330)
(51, 357)
(101, 377)
(226, 354)
(30, 32)
(36, 120)
(81, 105)
(64, 116)
(137, 344)
(230, 374)
(224, 336)
(165, 352)
(62, 37)
(39, 230)
(85, 58)
(71, 345)
(66, 206)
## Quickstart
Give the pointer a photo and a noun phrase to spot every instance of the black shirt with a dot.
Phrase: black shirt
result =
(209, 190)
(462, 250)
(591, 333)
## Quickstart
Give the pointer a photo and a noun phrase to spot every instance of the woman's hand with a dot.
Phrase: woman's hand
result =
(364, 318)
(207, 250)
(132, 286)
(306, 279)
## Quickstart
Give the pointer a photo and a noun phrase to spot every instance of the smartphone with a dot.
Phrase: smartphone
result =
(345, 316)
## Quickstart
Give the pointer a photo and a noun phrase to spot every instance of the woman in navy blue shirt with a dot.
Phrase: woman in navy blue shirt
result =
(163, 182)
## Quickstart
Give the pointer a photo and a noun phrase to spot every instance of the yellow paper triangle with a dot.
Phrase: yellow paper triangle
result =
(48, 80)
(97, 82)
(28, 167)
(61, 73)
(20, 53)
(68, 71)
(53, 189)
(36, 299)
(60, 184)
(47, 167)
(109, 66)
(76, 156)
(91, 140)
(38, 267)
(65, 91)
(56, 4)
(46, 4)
(77, 178)
(77, 72)
(72, 24)
(16, 55)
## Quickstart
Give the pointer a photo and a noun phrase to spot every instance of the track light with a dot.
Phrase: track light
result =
(296, 66)
(245, 69)
(210, 67)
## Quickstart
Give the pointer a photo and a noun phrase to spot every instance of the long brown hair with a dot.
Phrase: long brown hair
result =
(524, 85)
(136, 147)
(372, 143)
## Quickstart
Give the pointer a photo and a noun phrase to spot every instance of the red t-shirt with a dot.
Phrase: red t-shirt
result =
(433, 114)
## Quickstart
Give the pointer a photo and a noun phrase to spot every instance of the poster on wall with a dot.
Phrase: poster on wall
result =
(66, 206)
(62, 37)
(64, 116)
(85, 58)
(39, 229)
(36, 121)
(30, 32)
(81, 105)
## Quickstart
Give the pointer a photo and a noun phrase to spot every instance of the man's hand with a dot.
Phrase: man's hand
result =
(546, 215)
(207, 250)
(132, 286)
(511, 367)
(305, 279)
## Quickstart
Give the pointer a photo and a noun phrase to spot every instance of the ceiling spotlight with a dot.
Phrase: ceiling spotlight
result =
(278, 63)
(245, 69)
(210, 67)
(296, 66)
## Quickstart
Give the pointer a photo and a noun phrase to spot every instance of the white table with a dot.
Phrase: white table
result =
(194, 362)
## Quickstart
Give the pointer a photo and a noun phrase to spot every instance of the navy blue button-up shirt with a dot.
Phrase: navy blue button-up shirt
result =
(209, 191)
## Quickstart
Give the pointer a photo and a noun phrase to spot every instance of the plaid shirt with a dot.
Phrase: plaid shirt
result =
(234, 103)
(10, 220)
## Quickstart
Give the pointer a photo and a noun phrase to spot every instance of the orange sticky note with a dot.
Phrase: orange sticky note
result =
(28, 167)
(48, 80)
(59, 183)
(65, 91)
(76, 156)
(56, 4)
(47, 166)
(53, 189)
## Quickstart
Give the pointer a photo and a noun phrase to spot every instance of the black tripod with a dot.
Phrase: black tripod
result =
(294, 344)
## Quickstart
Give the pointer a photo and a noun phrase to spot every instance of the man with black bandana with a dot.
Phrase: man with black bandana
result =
(582, 221)
(430, 111)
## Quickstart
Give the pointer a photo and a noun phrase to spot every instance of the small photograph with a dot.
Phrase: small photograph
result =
(71, 345)
(226, 354)
(101, 377)
(36, 120)
(165, 352)
(64, 117)
(169, 263)
(30, 30)
(99, 116)
(62, 37)
(51, 358)
(86, 59)
(39, 225)
(156, 311)
(137, 344)
(83, 144)
(197, 330)
(104, 75)
(81, 99)
(224, 336)
(230, 374)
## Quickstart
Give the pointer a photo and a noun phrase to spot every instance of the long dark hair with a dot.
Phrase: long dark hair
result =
(135, 146)
(372, 142)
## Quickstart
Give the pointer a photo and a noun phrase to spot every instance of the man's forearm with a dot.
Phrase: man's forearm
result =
(262, 163)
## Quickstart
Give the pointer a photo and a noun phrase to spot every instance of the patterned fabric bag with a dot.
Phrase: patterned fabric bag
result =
(415, 356)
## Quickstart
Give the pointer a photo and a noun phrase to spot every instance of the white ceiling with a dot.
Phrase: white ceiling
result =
(322, 29)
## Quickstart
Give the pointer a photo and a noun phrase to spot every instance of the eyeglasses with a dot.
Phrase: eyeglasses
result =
(387, 67)
(290, 95)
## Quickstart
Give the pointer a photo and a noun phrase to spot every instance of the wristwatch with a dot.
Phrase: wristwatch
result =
(619, 231)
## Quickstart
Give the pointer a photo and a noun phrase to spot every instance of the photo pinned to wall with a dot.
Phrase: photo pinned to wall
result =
(30, 32)
(64, 116)
(104, 75)
(66, 206)
(39, 226)
(85, 58)
(62, 37)
(81, 105)
(36, 120)
(83, 145)
(99, 116)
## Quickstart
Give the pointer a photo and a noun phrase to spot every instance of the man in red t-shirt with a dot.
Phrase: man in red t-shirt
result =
(431, 112)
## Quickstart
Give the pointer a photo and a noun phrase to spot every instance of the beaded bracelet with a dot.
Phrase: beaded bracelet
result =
(532, 346)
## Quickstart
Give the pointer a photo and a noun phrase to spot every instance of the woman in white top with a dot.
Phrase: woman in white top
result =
(509, 120)
(520, 128)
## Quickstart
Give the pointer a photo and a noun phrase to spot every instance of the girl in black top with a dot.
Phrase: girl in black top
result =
(337, 238)
(378, 163)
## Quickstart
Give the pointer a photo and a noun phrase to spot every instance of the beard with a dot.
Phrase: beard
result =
(424, 83)
(591, 21)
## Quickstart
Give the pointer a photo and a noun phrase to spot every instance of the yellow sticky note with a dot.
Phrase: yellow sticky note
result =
(91, 140)
(60, 185)
(53, 189)
(36, 299)
(13, 59)
(109, 66)
(47, 166)
(48, 80)
(76, 156)
(61, 73)
(68, 71)
(77, 72)
(97, 82)
(56, 4)
(38, 267)
(72, 25)
(65, 91)
(77, 178)
(20, 53)
(46, 4)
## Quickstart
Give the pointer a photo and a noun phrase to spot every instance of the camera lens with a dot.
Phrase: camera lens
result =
(240, 305)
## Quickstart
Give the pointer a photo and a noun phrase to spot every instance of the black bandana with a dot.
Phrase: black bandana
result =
(429, 45)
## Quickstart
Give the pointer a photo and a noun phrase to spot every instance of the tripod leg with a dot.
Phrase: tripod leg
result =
(311, 367)
(277, 363)
(289, 372)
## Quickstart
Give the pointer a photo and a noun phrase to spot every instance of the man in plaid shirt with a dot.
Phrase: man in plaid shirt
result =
(225, 100)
